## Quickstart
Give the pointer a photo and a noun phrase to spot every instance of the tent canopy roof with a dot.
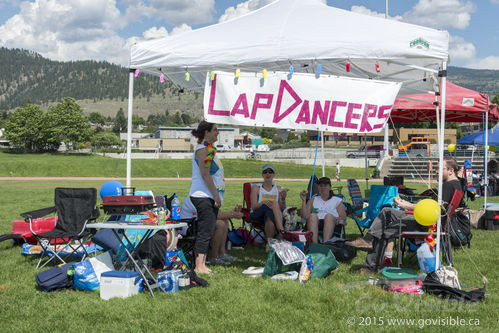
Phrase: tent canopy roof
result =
(461, 105)
(302, 33)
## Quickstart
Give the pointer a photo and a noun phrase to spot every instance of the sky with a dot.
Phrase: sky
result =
(104, 29)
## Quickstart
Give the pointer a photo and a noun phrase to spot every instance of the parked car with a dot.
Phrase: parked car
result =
(373, 151)
(221, 148)
(263, 148)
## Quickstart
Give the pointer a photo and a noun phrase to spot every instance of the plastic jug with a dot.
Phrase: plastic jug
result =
(427, 259)
(175, 208)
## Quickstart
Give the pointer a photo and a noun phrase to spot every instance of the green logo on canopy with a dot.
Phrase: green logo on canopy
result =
(419, 43)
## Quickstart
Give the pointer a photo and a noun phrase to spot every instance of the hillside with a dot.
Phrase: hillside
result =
(103, 87)
(97, 86)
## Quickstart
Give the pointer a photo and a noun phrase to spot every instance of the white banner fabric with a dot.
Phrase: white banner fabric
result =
(299, 101)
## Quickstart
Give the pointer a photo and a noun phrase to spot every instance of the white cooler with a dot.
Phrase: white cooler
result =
(119, 284)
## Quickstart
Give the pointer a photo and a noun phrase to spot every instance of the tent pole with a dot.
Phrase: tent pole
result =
(367, 164)
(485, 171)
(129, 130)
(443, 83)
(323, 161)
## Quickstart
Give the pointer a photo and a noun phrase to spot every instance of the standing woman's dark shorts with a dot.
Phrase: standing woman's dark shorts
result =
(206, 220)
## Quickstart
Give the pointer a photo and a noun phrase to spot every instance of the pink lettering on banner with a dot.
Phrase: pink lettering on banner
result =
(369, 112)
(332, 113)
(211, 110)
(382, 115)
(304, 115)
(351, 115)
(320, 113)
(284, 85)
(257, 104)
(241, 106)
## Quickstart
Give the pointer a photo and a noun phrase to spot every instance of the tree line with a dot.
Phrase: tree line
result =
(34, 130)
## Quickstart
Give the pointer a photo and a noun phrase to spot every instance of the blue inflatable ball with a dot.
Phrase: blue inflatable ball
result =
(112, 187)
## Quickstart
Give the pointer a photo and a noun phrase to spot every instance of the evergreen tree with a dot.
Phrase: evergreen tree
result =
(120, 122)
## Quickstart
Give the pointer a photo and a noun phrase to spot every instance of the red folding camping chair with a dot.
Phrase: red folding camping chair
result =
(255, 227)
(421, 235)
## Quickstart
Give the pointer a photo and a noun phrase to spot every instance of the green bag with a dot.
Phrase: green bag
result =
(323, 259)
(274, 265)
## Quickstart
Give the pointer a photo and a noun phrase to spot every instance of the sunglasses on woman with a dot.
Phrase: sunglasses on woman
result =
(268, 171)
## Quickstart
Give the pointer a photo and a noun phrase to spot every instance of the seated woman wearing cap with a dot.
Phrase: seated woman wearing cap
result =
(322, 211)
(267, 202)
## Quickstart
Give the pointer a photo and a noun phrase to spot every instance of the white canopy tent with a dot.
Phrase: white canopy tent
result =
(303, 34)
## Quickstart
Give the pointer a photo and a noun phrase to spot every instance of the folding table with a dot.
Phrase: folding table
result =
(149, 230)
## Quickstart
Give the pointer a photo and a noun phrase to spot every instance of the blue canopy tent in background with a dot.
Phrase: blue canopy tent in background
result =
(479, 138)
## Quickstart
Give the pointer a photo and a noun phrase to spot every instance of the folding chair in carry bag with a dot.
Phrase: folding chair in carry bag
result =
(74, 208)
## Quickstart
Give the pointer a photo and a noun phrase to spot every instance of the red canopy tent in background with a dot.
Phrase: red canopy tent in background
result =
(461, 105)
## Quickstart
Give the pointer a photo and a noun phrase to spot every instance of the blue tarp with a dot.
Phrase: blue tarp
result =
(479, 138)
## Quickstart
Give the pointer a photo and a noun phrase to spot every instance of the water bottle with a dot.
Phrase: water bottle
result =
(175, 208)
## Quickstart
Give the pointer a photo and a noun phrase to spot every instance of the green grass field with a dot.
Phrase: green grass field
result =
(341, 302)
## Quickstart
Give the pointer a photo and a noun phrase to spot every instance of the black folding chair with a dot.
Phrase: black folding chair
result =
(74, 208)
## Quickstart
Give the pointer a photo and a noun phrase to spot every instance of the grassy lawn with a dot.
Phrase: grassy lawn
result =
(341, 302)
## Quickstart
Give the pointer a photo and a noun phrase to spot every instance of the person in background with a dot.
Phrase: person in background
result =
(217, 243)
(323, 211)
(338, 171)
(267, 202)
(390, 221)
(207, 189)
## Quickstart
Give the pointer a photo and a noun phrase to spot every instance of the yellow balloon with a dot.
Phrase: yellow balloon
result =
(451, 147)
(427, 212)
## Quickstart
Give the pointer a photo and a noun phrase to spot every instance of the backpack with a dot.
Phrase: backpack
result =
(55, 278)
(459, 229)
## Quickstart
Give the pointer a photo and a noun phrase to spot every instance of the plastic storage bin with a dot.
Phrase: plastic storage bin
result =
(119, 284)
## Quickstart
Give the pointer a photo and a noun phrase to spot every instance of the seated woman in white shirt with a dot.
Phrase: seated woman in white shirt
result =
(322, 211)
(217, 243)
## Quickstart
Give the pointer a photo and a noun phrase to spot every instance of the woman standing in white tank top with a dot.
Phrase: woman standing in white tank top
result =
(207, 189)
(324, 208)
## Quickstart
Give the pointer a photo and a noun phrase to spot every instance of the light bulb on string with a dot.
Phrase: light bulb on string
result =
(347, 66)
(238, 72)
(264, 73)
(291, 70)
(212, 76)
(319, 69)
(137, 73)
(187, 76)
(377, 68)
(162, 78)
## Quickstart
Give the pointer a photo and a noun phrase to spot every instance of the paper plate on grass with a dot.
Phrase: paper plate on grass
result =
(395, 273)
(253, 271)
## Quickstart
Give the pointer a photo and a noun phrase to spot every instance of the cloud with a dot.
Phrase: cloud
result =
(494, 2)
(367, 11)
(459, 49)
(155, 33)
(441, 13)
(66, 30)
(181, 29)
(490, 62)
(174, 12)
(246, 7)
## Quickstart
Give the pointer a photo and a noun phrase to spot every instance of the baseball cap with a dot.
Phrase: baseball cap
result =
(268, 166)
(324, 180)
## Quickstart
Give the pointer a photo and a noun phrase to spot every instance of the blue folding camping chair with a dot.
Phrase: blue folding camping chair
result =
(381, 196)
